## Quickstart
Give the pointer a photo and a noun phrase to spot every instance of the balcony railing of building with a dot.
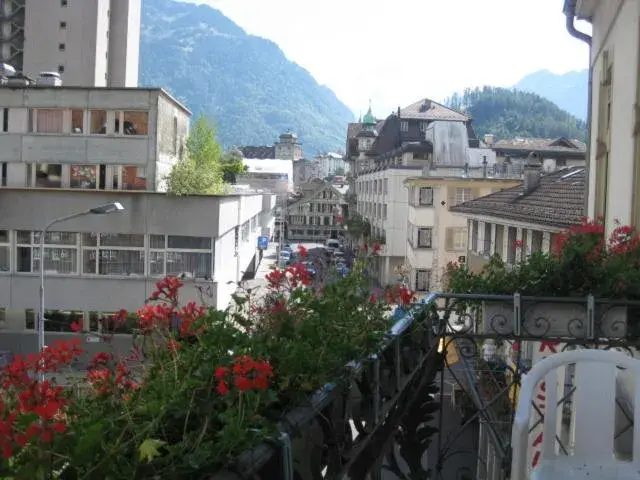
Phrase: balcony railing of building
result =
(402, 406)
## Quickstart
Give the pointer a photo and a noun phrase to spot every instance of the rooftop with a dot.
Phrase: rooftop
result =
(262, 152)
(541, 144)
(68, 88)
(426, 109)
(558, 201)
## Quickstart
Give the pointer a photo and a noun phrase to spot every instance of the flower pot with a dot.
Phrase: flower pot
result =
(555, 320)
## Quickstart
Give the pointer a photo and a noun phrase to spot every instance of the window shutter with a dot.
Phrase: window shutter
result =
(448, 239)
(451, 197)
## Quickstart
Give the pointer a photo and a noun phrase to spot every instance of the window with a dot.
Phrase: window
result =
(180, 255)
(60, 321)
(175, 135)
(423, 126)
(487, 239)
(499, 245)
(5, 251)
(48, 175)
(132, 178)
(423, 278)
(425, 196)
(98, 122)
(5, 120)
(112, 254)
(49, 120)
(63, 25)
(61, 47)
(404, 126)
(60, 254)
(84, 176)
(462, 195)
(455, 239)
(424, 237)
(474, 235)
(511, 245)
(135, 123)
(77, 121)
(384, 211)
(63, 3)
(60, 68)
(386, 185)
(536, 241)
(3, 174)
(245, 232)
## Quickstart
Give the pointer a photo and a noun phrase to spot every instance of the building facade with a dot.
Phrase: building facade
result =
(90, 138)
(316, 213)
(88, 42)
(614, 144)
(435, 235)
(512, 154)
(96, 265)
(523, 219)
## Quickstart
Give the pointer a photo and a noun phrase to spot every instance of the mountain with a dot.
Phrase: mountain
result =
(243, 83)
(509, 113)
(568, 91)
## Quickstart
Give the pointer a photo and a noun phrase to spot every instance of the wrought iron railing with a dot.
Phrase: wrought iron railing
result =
(390, 418)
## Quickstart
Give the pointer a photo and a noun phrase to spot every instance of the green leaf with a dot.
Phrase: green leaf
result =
(149, 449)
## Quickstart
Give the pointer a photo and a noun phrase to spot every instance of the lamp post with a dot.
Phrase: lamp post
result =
(113, 207)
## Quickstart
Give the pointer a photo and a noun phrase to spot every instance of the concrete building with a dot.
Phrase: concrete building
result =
(523, 219)
(288, 148)
(305, 171)
(435, 235)
(269, 175)
(613, 151)
(330, 163)
(98, 264)
(512, 154)
(90, 138)
(316, 214)
(88, 42)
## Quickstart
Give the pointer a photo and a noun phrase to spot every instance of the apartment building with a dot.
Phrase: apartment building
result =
(68, 149)
(316, 214)
(613, 151)
(90, 138)
(523, 219)
(88, 42)
(435, 235)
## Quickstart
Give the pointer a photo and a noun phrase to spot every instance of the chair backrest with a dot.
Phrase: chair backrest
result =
(593, 406)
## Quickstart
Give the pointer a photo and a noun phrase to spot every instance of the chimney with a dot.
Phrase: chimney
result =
(398, 112)
(532, 173)
(488, 139)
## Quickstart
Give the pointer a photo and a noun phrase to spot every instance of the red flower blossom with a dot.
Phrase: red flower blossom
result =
(76, 327)
(302, 251)
(518, 244)
(167, 289)
(375, 248)
(245, 374)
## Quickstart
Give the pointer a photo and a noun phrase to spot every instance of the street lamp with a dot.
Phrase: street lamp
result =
(106, 209)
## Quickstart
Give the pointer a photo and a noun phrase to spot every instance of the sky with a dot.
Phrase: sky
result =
(397, 52)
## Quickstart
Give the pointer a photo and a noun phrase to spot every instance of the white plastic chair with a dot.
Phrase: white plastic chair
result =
(591, 456)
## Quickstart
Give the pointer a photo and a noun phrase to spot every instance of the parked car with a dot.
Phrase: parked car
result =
(284, 258)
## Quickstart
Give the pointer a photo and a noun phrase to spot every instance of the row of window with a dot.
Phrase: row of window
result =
(107, 254)
(312, 220)
(78, 121)
(423, 196)
(488, 241)
(379, 187)
(86, 177)
(374, 210)
(62, 320)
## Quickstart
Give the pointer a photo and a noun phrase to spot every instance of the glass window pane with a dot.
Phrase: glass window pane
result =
(59, 321)
(23, 261)
(57, 260)
(135, 123)
(134, 178)
(189, 243)
(4, 236)
(90, 239)
(5, 261)
(56, 238)
(48, 175)
(156, 263)
(121, 262)
(24, 237)
(98, 122)
(191, 263)
(77, 121)
(84, 176)
(121, 240)
(89, 261)
(49, 120)
(157, 241)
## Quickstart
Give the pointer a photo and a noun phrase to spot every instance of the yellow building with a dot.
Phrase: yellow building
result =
(435, 236)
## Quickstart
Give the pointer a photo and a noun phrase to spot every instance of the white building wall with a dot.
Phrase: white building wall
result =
(616, 29)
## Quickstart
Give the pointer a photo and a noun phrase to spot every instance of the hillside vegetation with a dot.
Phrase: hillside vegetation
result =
(510, 113)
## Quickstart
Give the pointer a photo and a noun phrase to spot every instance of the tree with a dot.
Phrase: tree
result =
(232, 165)
(200, 171)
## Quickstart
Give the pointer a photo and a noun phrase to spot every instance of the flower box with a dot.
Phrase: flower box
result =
(566, 318)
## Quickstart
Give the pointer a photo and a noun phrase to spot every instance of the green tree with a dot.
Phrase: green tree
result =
(200, 171)
(232, 165)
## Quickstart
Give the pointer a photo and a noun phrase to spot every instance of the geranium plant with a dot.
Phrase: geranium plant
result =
(582, 261)
(199, 387)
